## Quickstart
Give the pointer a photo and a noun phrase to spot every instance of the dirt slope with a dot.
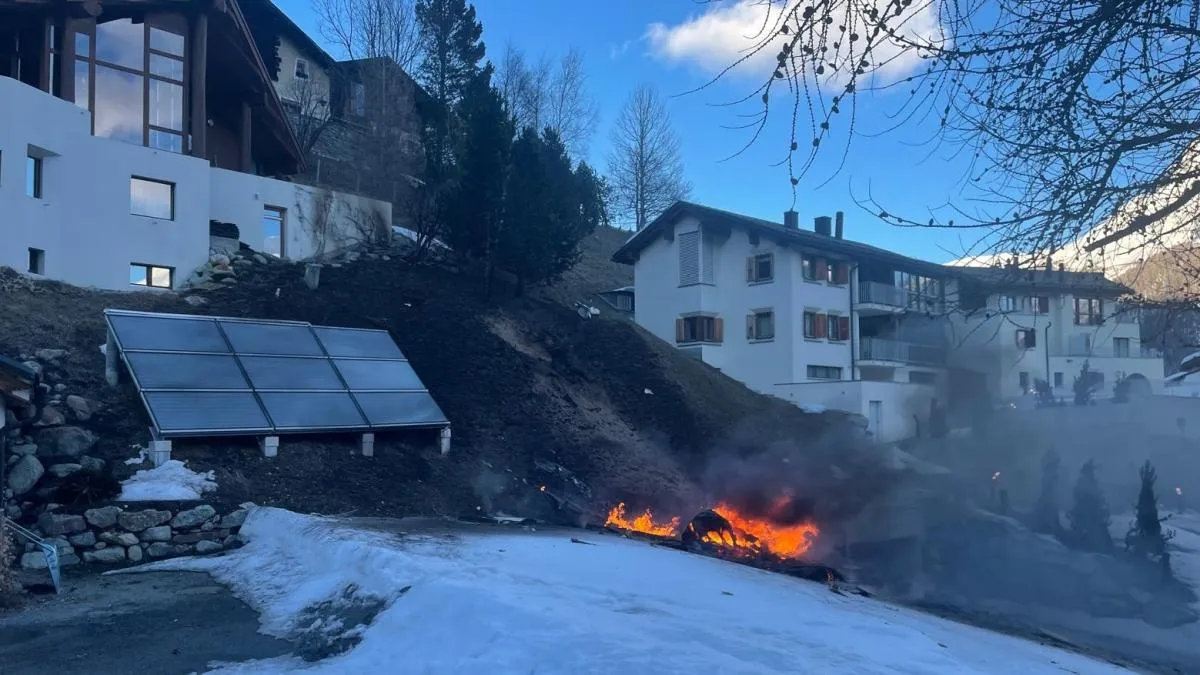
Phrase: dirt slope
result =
(526, 383)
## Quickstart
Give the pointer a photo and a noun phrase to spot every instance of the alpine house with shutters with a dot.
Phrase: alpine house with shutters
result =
(804, 315)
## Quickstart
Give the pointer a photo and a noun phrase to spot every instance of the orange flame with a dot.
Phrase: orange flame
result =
(643, 523)
(785, 541)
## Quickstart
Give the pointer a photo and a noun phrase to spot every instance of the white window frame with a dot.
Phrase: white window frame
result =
(300, 70)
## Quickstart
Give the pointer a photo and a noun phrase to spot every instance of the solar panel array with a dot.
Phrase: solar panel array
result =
(218, 376)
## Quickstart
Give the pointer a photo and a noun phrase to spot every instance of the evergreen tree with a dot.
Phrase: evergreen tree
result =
(1089, 516)
(1084, 383)
(473, 211)
(1045, 511)
(451, 51)
(550, 208)
(1146, 537)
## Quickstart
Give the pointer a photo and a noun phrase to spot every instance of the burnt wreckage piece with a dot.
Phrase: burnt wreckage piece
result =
(708, 526)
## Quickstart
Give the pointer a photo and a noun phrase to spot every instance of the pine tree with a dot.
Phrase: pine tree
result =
(1146, 537)
(1089, 515)
(1045, 512)
(451, 51)
(1083, 385)
(474, 209)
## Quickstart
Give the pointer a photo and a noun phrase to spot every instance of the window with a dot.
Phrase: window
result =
(130, 75)
(760, 268)
(153, 276)
(151, 198)
(761, 326)
(699, 329)
(1010, 303)
(815, 269)
(358, 100)
(924, 293)
(811, 322)
(1026, 338)
(274, 226)
(838, 327)
(33, 176)
(1040, 304)
(921, 377)
(824, 373)
(37, 261)
(301, 72)
(1058, 379)
(839, 273)
(1120, 346)
(1024, 381)
(689, 258)
(1089, 311)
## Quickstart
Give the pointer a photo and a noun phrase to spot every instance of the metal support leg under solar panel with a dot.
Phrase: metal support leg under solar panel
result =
(368, 445)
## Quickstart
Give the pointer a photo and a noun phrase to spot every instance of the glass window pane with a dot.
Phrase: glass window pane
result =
(273, 231)
(160, 277)
(166, 140)
(284, 372)
(137, 275)
(166, 105)
(268, 338)
(371, 374)
(118, 111)
(400, 409)
(151, 199)
(33, 177)
(166, 41)
(209, 413)
(164, 333)
(165, 66)
(121, 43)
(83, 44)
(83, 84)
(312, 411)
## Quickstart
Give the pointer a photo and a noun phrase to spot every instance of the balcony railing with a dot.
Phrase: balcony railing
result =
(1109, 351)
(882, 349)
(875, 293)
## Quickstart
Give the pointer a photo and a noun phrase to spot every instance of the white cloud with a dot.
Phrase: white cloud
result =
(730, 29)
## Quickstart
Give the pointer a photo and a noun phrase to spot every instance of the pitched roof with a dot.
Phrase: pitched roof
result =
(1048, 280)
(805, 238)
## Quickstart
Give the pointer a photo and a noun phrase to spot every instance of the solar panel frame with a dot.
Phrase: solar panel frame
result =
(335, 347)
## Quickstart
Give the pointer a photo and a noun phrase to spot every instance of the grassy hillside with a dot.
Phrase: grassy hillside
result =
(527, 384)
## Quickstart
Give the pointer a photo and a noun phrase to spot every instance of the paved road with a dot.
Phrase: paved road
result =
(163, 623)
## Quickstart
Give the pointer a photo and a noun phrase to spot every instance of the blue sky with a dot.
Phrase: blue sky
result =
(674, 46)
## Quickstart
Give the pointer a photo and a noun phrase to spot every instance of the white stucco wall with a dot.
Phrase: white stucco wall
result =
(309, 92)
(898, 402)
(83, 220)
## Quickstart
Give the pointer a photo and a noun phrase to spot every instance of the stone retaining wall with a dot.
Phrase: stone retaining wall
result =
(116, 535)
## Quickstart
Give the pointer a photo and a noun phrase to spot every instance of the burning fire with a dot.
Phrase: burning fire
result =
(643, 523)
(750, 535)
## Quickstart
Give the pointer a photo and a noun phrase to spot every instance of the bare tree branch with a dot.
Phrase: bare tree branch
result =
(645, 167)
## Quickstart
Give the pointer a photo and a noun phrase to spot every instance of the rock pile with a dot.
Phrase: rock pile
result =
(111, 535)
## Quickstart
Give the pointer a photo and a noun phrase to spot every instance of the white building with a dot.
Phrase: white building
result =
(126, 135)
(813, 318)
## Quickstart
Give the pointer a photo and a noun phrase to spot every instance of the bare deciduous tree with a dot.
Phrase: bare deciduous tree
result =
(1079, 117)
(312, 111)
(542, 95)
(645, 169)
(369, 29)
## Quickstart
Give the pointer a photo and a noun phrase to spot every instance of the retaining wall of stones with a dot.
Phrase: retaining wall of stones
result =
(121, 535)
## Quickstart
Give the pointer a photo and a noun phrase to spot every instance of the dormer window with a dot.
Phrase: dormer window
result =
(301, 69)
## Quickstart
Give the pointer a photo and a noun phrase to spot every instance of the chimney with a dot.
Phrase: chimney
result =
(823, 225)
(791, 219)
(838, 221)
(1049, 263)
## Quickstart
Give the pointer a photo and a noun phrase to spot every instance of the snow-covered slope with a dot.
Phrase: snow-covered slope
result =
(509, 601)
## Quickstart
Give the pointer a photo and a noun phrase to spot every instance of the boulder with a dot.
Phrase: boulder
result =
(92, 464)
(134, 553)
(49, 355)
(205, 547)
(106, 556)
(137, 521)
(64, 470)
(102, 517)
(64, 442)
(158, 549)
(51, 417)
(120, 538)
(84, 539)
(24, 474)
(235, 519)
(35, 560)
(80, 407)
(193, 517)
(160, 533)
(23, 448)
(55, 524)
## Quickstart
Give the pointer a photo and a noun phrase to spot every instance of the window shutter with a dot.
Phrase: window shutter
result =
(718, 330)
(822, 321)
(750, 268)
(841, 273)
(844, 327)
(679, 330)
(822, 269)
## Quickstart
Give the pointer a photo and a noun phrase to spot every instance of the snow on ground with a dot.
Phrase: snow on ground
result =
(1184, 547)
(509, 601)
(170, 482)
